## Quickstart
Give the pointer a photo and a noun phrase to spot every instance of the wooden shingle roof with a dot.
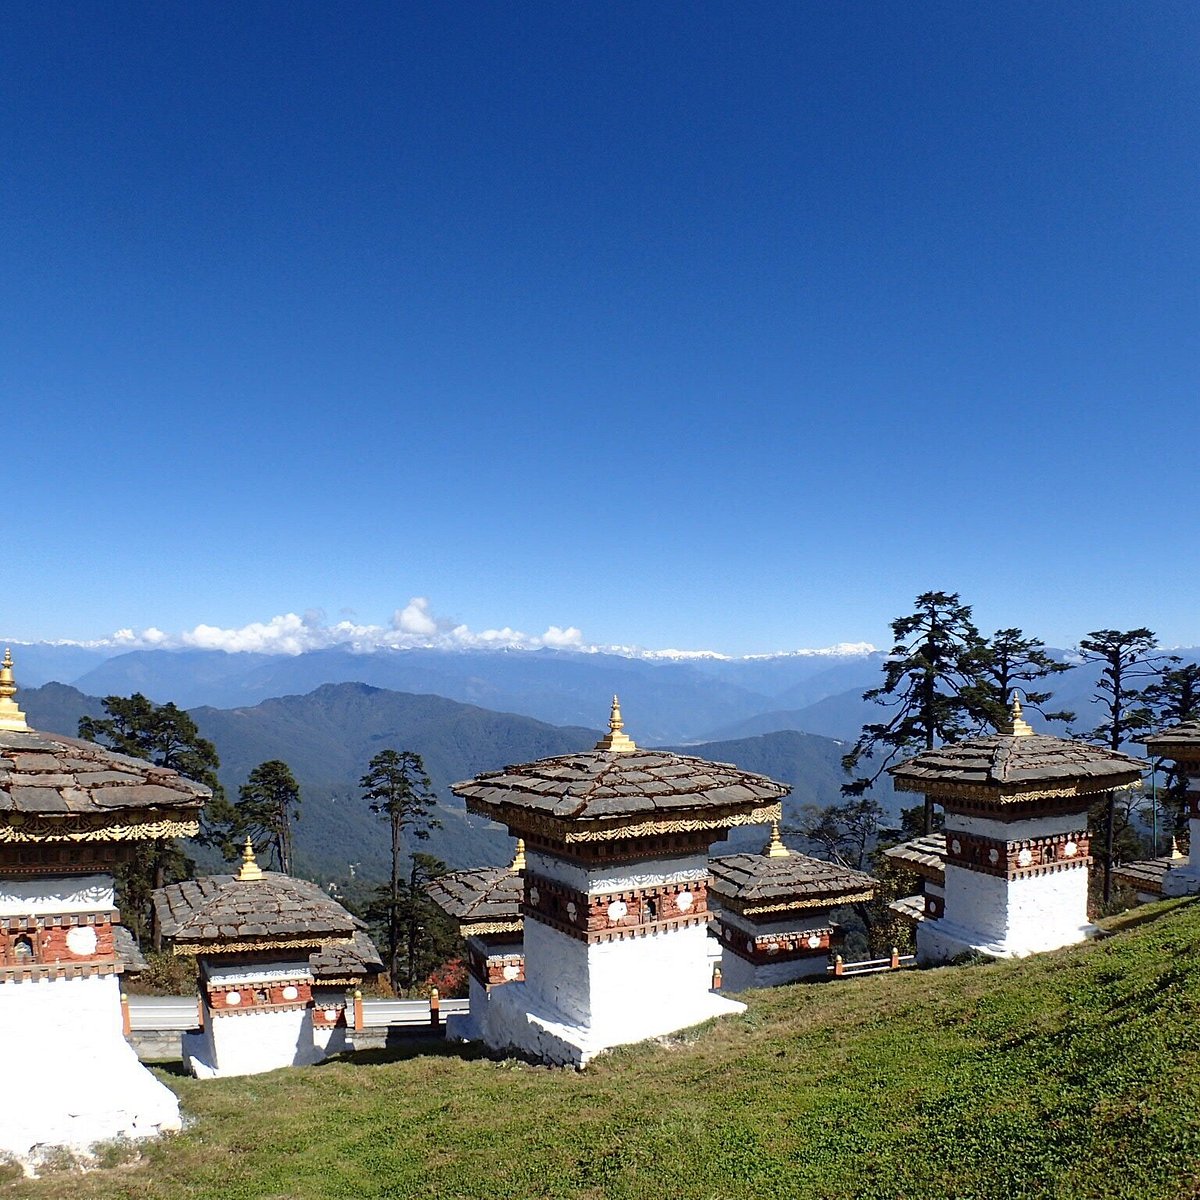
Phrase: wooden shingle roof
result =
(756, 883)
(924, 856)
(1178, 742)
(222, 913)
(484, 900)
(1017, 766)
(594, 789)
(50, 784)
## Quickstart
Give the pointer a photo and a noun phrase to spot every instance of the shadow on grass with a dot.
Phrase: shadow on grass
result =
(410, 1048)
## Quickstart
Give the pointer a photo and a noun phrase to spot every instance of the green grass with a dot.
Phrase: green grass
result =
(1073, 1074)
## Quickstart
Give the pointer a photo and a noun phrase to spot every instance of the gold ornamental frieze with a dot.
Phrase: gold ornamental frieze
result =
(17, 827)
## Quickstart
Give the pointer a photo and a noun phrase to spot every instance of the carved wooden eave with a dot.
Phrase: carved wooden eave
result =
(217, 948)
(17, 827)
(750, 909)
(485, 928)
(582, 832)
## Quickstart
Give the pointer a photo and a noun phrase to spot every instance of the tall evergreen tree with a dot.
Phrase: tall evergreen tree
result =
(399, 791)
(426, 936)
(1126, 657)
(166, 736)
(1172, 698)
(1009, 659)
(267, 805)
(928, 681)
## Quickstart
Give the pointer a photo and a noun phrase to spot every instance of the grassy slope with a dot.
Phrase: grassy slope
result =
(1073, 1074)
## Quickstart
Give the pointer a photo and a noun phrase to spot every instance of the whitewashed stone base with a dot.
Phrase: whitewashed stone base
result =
(70, 1079)
(250, 1043)
(1184, 880)
(511, 1023)
(737, 975)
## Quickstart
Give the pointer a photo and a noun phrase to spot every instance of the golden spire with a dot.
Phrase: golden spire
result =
(616, 742)
(518, 862)
(775, 848)
(11, 717)
(1020, 727)
(251, 872)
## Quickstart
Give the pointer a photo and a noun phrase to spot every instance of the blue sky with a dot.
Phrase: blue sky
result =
(705, 325)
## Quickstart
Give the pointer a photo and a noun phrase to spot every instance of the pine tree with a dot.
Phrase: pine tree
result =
(166, 736)
(426, 936)
(1126, 657)
(928, 680)
(1008, 660)
(267, 805)
(1173, 698)
(399, 791)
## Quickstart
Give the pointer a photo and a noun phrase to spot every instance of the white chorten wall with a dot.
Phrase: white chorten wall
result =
(1184, 879)
(256, 1018)
(612, 955)
(70, 1078)
(1012, 888)
(768, 953)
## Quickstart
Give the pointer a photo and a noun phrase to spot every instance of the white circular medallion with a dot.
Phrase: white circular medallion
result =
(1070, 849)
(956, 847)
(291, 992)
(571, 909)
(750, 946)
(511, 971)
(814, 941)
(234, 998)
(1024, 858)
(617, 909)
(331, 1015)
(81, 940)
(534, 895)
(993, 856)
(684, 901)
(773, 948)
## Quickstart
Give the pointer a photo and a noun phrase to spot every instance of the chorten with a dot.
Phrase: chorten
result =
(1017, 842)
(262, 942)
(773, 913)
(1181, 745)
(616, 892)
(70, 813)
(486, 903)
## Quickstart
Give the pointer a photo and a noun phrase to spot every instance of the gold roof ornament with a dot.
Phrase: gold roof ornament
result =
(11, 717)
(251, 872)
(518, 862)
(616, 742)
(775, 848)
(1020, 727)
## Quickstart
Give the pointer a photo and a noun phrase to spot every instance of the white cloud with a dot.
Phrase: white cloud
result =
(413, 626)
(415, 618)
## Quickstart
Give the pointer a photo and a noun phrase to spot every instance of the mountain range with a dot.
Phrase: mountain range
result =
(329, 735)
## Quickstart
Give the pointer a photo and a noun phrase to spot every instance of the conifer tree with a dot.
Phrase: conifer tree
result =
(399, 791)
(267, 804)
(166, 736)
(1008, 660)
(1173, 698)
(928, 680)
(1126, 657)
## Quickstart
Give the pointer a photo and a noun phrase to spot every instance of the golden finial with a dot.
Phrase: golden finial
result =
(11, 717)
(1020, 727)
(616, 742)
(775, 848)
(251, 872)
(518, 862)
